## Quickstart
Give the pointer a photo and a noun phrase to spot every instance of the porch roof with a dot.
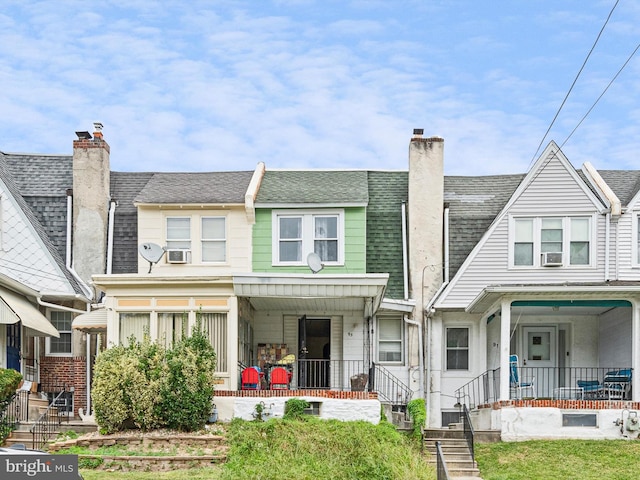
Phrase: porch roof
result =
(95, 321)
(491, 295)
(15, 308)
(304, 292)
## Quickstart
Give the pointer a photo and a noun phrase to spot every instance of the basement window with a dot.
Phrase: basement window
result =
(579, 420)
(313, 409)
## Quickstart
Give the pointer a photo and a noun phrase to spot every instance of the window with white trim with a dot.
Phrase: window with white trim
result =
(296, 235)
(457, 348)
(214, 239)
(535, 240)
(179, 233)
(62, 322)
(134, 325)
(390, 339)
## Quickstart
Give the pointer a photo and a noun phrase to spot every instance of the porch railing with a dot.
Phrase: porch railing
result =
(469, 434)
(556, 383)
(8, 417)
(389, 387)
(344, 375)
(47, 423)
(442, 473)
(483, 389)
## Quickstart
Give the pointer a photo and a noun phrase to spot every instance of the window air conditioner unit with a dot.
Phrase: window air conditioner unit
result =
(177, 256)
(552, 259)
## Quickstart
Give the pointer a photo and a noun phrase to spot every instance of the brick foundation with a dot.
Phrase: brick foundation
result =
(298, 393)
(566, 404)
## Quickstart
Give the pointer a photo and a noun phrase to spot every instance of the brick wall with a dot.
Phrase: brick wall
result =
(68, 371)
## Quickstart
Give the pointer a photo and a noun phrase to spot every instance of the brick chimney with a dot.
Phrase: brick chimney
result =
(425, 218)
(91, 195)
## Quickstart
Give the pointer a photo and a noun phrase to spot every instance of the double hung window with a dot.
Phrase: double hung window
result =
(389, 339)
(296, 235)
(457, 350)
(214, 244)
(178, 233)
(133, 325)
(62, 322)
(540, 241)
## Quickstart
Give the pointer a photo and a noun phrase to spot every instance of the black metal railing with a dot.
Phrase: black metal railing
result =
(30, 369)
(344, 375)
(388, 386)
(572, 383)
(441, 464)
(48, 423)
(8, 417)
(556, 383)
(483, 389)
(467, 428)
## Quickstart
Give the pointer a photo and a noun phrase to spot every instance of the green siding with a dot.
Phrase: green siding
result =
(355, 223)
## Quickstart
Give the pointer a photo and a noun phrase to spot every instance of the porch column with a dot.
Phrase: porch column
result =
(635, 358)
(505, 343)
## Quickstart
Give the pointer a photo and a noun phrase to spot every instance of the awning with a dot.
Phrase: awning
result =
(15, 308)
(95, 321)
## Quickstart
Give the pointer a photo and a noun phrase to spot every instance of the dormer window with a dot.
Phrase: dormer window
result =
(551, 241)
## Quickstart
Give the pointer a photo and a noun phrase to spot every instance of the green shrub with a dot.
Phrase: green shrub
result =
(418, 413)
(294, 408)
(186, 394)
(147, 386)
(9, 381)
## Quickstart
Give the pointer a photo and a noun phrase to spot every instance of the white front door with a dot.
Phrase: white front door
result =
(539, 358)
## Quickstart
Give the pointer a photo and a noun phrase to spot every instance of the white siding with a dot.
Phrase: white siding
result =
(628, 269)
(553, 191)
(151, 228)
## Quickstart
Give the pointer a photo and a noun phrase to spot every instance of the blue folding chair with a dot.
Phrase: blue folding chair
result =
(517, 386)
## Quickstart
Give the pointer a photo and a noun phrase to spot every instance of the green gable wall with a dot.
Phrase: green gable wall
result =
(355, 223)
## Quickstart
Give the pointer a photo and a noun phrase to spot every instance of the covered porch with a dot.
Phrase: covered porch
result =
(561, 360)
(318, 330)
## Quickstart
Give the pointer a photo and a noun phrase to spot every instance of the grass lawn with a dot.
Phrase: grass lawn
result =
(310, 449)
(560, 459)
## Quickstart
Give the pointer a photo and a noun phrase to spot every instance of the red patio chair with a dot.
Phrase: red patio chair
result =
(250, 379)
(279, 379)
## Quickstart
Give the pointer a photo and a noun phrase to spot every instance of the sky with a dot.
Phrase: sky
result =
(222, 85)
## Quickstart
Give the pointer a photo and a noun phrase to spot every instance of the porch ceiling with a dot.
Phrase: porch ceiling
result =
(304, 292)
(581, 298)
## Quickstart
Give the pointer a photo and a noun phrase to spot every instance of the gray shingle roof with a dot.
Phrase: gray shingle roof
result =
(125, 186)
(624, 183)
(313, 187)
(45, 206)
(208, 188)
(474, 203)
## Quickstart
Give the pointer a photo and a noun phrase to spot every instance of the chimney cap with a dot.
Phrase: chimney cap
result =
(98, 126)
(418, 132)
(83, 135)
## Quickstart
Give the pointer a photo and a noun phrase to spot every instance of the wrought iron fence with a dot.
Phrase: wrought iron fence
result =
(8, 417)
(441, 465)
(469, 434)
(48, 423)
(556, 383)
(388, 386)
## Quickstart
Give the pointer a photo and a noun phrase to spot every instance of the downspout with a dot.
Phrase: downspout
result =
(69, 225)
(405, 267)
(429, 310)
(421, 350)
(607, 245)
(112, 209)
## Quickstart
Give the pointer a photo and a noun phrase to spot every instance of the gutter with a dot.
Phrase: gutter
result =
(421, 350)
(405, 267)
(112, 209)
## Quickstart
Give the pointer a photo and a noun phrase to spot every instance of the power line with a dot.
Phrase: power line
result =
(573, 84)
(601, 95)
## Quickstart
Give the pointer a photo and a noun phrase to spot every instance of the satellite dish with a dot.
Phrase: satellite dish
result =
(151, 252)
(314, 262)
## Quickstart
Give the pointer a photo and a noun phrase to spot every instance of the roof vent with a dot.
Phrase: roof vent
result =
(418, 132)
